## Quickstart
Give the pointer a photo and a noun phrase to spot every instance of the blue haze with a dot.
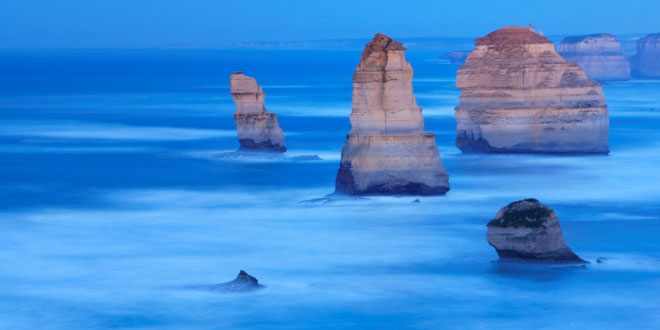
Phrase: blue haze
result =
(113, 201)
(213, 23)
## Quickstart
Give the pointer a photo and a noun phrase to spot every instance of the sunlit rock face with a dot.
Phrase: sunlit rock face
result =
(387, 150)
(646, 62)
(527, 230)
(519, 96)
(258, 128)
(599, 55)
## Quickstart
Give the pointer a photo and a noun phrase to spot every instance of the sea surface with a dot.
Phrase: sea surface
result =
(119, 196)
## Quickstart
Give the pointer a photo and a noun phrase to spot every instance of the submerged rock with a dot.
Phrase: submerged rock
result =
(243, 282)
(519, 96)
(599, 55)
(387, 150)
(646, 62)
(258, 129)
(527, 230)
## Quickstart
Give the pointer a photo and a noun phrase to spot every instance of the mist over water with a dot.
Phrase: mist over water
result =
(115, 201)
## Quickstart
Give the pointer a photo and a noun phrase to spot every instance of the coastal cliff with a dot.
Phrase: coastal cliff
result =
(519, 96)
(387, 150)
(599, 55)
(258, 129)
(646, 62)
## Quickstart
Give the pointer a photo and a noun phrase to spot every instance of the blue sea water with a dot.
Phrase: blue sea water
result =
(115, 201)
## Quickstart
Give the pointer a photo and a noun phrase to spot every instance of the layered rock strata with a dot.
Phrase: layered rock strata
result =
(527, 230)
(519, 96)
(646, 61)
(599, 55)
(258, 129)
(387, 150)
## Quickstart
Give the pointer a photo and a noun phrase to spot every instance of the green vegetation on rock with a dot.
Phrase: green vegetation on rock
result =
(514, 216)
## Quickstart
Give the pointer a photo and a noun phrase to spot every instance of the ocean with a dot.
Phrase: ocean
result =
(117, 198)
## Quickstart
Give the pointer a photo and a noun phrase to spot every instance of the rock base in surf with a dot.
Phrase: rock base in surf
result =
(529, 231)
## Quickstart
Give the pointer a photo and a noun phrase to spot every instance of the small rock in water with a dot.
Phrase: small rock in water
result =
(243, 282)
(416, 201)
(527, 230)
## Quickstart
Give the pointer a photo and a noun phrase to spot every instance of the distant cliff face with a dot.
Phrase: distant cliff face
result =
(599, 55)
(387, 150)
(646, 62)
(518, 96)
(258, 129)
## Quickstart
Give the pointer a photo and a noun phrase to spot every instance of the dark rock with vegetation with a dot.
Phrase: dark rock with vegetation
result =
(527, 230)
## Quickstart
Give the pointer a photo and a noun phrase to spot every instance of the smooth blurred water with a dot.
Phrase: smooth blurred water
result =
(114, 202)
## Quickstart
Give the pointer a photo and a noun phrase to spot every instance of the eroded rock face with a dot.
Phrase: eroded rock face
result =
(647, 60)
(387, 150)
(519, 96)
(258, 128)
(527, 230)
(599, 55)
(243, 282)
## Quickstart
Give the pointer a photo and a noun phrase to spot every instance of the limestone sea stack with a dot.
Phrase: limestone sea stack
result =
(527, 230)
(646, 62)
(258, 128)
(519, 96)
(599, 55)
(387, 150)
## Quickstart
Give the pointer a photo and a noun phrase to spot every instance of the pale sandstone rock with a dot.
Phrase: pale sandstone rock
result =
(519, 96)
(387, 150)
(258, 128)
(646, 62)
(527, 230)
(599, 55)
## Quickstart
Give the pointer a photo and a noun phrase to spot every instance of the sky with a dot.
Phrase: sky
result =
(221, 23)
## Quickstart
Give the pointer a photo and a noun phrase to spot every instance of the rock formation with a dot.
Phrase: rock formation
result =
(527, 230)
(243, 282)
(646, 62)
(599, 55)
(519, 96)
(258, 128)
(387, 150)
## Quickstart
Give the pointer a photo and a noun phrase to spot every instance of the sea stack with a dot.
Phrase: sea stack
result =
(258, 128)
(527, 230)
(519, 96)
(387, 151)
(646, 62)
(599, 55)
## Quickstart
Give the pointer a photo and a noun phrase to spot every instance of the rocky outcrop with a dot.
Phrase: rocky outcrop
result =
(519, 96)
(258, 128)
(646, 62)
(243, 282)
(599, 55)
(527, 230)
(387, 150)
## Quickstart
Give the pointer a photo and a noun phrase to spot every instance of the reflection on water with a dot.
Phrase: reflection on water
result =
(115, 201)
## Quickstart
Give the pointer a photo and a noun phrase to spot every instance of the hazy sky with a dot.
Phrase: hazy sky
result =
(149, 23)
